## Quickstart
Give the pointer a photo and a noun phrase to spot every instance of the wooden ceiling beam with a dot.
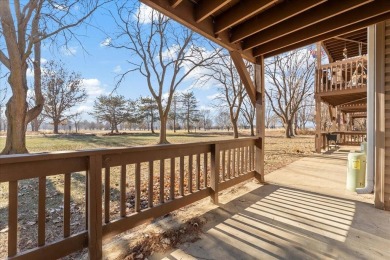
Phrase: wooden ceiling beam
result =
(175, 3)
(271, 17)
(239, 12)
(244, 75)
(313, 16)
(324, 37)
(184, 14)
(206, 8)
(355, 19)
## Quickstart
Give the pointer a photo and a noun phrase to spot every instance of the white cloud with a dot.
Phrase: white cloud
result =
(93, 87)
(43, 60)
(68, 50)
(60, 7)
(145, 14)
(117, 69)
(214, 96)
(106, 42)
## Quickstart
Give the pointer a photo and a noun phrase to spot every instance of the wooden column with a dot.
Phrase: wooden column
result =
(318, 137)
(260, 119)
(378, 80)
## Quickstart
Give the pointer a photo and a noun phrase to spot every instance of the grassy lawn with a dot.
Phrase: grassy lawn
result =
(47, 143)
(278, 153)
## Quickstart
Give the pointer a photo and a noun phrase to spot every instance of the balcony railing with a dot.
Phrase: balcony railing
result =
(341, 75)
(352, 138)
(153, 181)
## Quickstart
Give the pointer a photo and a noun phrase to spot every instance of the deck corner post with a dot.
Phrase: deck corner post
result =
(215, 168)
(260, 119)
(95, 208)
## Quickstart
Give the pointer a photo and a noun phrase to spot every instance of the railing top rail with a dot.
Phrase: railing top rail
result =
(346, 132)
(349, 60)
(16, 158)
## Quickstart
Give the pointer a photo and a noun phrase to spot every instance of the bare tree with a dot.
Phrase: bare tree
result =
(205, 118)
(23, 27)
(249, 114)
(77, 118)
(62, 90)
(229, 85)
(306, 113)
(291, 78)
(166, 54)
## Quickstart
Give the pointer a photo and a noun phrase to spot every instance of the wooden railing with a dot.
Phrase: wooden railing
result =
(346, 138)
(347, 74)
(153, 181)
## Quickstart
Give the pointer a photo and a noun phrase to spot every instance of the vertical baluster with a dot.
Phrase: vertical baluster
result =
(254, 156)
(228, 164)
(233, 174)
(181, 173)
(107, 194)
(345, 75)
(95, 207)
(190, 173)
(138, 187)
(123, 191)
(13, 218)
(327, 79)
(238, 161)
(205, 169)
(223, 165)
(246, 158)
(162, 173)
(172, 180)
(242, 163)
(198, 171)
(86, 200)
(150, 186)
(42, 210)
(67, 187)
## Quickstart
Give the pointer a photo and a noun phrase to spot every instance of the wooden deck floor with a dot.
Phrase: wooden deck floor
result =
(303, 212)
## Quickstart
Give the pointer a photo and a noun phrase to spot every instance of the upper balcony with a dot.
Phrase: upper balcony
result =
(343, 81)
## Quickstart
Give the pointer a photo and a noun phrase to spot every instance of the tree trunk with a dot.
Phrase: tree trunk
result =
(163, 130)
(152, 124)
(16, 127)
(235, 129)
(174, 123)
(55, 124)
(288, 129)
(188, 126)
(252, 130)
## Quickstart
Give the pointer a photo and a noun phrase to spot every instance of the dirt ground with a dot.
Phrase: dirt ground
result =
(278, 153)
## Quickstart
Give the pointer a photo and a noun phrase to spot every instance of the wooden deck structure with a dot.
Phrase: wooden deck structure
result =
(252, 30)
(342, 86)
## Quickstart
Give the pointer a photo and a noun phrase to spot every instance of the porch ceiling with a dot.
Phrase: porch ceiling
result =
(334, 47)
(270, 27)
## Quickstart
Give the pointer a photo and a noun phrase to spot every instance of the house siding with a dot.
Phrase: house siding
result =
(387, 117)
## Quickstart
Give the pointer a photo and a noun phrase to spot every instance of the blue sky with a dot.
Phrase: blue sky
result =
(100, 65)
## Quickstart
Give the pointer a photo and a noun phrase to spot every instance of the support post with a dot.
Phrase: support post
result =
(318, 137)
(214, 178)
(318, 125)
(376, 110)
(95, 207)
(260, 118)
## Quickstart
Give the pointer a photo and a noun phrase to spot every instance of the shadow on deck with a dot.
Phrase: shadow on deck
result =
(303, 213)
